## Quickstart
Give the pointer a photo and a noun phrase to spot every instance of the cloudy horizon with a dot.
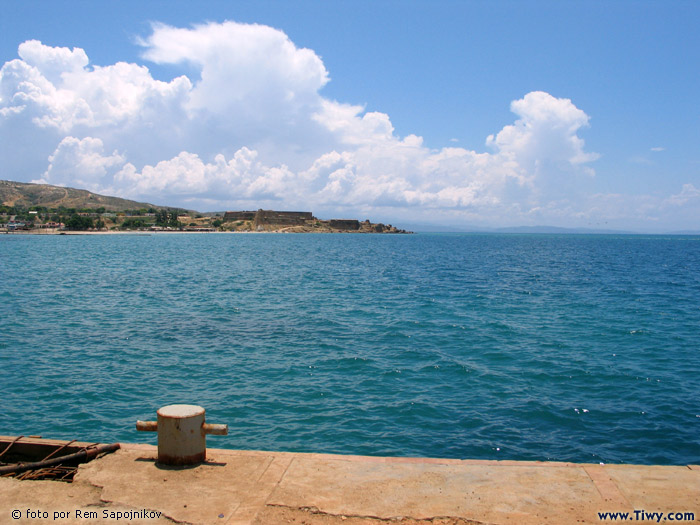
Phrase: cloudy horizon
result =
(245, 124)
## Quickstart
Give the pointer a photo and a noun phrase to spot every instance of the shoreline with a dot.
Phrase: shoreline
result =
(178, 232)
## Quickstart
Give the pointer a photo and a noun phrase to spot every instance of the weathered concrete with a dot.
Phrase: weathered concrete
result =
(250, 487)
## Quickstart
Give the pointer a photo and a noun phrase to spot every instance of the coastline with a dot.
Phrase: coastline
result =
(178, 232)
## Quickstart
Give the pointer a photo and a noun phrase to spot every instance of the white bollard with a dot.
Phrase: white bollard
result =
(181, 434)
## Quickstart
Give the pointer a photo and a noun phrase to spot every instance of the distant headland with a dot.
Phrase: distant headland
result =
(43, 208)
(298, 222)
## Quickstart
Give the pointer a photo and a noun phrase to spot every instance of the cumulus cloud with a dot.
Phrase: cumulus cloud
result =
(52, 62)
(243, 178)
(258, 66)
(546, 131)
(245, 125)
(689, 194)
(56, 89)
(253, 88)
(82, 163)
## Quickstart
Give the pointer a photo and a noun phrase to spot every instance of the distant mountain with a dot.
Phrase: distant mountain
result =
(556, 229)
(432, 228)
(420, 227)
(25, 194)
(685, 232)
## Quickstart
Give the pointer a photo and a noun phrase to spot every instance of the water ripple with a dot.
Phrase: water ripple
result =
(571, 348)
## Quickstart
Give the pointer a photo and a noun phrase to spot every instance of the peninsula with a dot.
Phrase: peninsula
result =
(43, 208)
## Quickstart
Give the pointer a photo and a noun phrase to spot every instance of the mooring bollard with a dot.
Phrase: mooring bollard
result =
(181, 434)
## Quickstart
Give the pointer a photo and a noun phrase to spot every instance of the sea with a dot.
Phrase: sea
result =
(581, 348)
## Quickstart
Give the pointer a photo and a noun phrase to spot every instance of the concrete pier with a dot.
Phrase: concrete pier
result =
(251, 487)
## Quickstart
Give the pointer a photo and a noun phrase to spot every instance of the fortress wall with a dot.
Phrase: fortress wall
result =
(239, 216)
(345, 224)
(291, 218)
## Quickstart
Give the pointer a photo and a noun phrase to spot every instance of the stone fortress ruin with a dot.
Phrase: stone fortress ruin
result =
(299, 221)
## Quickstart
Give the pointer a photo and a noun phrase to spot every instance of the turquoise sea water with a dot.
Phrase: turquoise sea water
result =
(545, 347)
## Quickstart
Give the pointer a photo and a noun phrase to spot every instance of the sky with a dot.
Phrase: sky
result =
(454, 114)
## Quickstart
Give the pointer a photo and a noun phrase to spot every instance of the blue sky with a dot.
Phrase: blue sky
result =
(592, 108)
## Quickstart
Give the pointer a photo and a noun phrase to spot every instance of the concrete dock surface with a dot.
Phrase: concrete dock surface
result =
(252, 487)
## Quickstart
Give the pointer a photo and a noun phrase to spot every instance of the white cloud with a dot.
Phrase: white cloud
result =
(250, 128)
(547, 131)
(52, 62)
(56, 89)
(689, 194)
(257, 66)
(242, 179)
(81, 163)
(254, 89)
